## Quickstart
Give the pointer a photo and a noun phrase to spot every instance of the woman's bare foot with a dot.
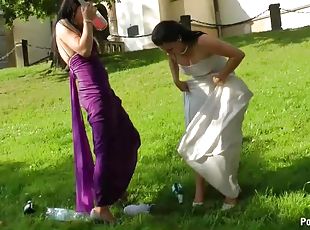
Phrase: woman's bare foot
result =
(232, 201)
(103, 214)
(229, 203)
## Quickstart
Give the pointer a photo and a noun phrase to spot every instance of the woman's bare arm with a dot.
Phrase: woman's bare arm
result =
(174, 68)
(81, 44)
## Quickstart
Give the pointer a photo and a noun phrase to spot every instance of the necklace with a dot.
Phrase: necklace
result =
(184, 51)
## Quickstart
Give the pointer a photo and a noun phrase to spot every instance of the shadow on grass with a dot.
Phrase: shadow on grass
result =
(50, 187)
(54, 187)
(281, 38)
(22, 73)
(21, 183)
(61, 76)
(130, 60)
(115, 62)
(56, 74)
(254, 176)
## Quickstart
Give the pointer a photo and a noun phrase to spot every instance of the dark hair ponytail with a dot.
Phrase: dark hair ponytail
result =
(171, 31)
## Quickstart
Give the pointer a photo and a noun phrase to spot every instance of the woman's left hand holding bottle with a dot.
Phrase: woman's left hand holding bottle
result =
(88, 11)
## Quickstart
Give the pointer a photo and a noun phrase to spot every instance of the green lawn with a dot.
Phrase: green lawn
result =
(36, 147)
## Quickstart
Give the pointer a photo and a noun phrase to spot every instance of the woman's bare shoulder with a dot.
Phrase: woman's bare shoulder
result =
(205, 39)
(206, 44)
(64, 25)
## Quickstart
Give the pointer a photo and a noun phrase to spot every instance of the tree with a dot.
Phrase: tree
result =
(23, 9)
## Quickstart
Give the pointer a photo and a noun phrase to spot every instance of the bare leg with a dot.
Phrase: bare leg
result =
(200, 189)
(101, 183)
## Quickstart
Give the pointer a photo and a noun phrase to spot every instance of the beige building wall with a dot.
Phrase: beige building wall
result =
(147, 13)
(38, 33)
(232, 11)
(201, 10)
(6, 45)
(171, 10)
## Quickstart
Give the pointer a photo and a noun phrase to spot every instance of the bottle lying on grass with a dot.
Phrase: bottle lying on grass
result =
(177, 190)
(134, 209)
(62, 214)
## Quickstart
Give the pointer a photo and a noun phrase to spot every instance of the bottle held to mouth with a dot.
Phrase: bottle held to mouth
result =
(99, 21)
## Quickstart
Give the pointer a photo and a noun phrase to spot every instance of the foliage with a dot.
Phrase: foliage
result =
(23, 9)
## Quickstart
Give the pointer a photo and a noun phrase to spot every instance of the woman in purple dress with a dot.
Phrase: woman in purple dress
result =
(115, 139)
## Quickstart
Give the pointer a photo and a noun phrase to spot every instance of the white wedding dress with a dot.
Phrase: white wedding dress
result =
(212, 142)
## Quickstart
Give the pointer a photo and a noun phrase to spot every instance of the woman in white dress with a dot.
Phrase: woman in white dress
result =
(215, 102)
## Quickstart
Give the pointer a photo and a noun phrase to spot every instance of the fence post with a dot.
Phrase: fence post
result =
(25, 52)
(275, 16)
(185, 20)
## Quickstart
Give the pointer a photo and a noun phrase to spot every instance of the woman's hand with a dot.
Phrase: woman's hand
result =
(88, 11)
(182, 85)
(219, 79)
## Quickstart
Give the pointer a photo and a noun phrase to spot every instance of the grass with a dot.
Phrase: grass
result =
(36, 147)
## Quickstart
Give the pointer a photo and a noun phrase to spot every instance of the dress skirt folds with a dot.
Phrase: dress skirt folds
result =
(211, 144)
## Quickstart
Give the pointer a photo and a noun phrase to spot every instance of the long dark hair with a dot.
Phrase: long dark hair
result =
(171, 31)
(67, 11)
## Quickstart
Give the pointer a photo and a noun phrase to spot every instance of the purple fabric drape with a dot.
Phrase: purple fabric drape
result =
(84, 165)
(116, 140)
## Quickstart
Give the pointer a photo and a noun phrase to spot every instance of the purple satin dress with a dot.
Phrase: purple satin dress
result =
(115, 139)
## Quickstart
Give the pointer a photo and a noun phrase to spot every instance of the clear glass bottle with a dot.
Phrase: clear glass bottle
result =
(62, 214)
